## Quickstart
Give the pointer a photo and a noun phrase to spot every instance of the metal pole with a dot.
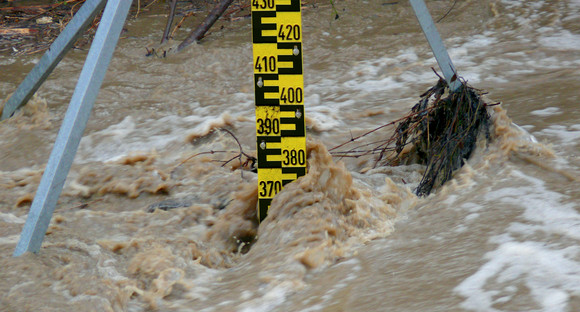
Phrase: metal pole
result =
(52, 56)
(73, 126)
(436, 44)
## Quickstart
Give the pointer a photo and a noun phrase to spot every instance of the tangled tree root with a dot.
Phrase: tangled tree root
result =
(441, 133)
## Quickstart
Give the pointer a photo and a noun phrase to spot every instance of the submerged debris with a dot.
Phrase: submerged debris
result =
(31, 28)
(169, 204)
(441, 133)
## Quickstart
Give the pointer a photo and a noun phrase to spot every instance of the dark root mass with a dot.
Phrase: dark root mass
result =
(441, 132)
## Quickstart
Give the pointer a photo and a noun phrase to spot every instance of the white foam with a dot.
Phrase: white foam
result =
(9, 240)
(7, 61)
(564, 40)
(374, 85)
(566, 134)
(271, 299)
(548, 111)
(471, 217)
(316, 307)
(10, 218)
(131, 136)
(574, 3)
(549, 273)
(325, 118)
(547, 209)
(527, 253)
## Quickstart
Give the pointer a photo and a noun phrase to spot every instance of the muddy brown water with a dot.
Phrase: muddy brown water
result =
(501, 236)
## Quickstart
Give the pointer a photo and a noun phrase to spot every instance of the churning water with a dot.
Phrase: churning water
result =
(501, 236)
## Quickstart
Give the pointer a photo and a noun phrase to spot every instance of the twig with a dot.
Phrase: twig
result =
(237, 9)
(150, 4)
(82, 205)
(239, 156)
(180, 22)
(44, 12)
(380, 127)
(72, 9)
(193, 156)
(250, 159)
(448, 11)
(18, 31)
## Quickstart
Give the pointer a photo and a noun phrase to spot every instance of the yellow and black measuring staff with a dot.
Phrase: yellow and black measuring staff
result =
(279, 90)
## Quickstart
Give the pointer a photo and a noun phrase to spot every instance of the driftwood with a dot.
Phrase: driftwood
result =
(18, 31)
(202, 29)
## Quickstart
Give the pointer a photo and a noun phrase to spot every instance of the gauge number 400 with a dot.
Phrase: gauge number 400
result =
(291, 95)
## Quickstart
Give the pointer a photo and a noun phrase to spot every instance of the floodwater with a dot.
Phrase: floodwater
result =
(503, 235)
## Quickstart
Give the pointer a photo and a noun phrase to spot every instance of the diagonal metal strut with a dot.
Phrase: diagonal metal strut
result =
(436, 44)
(73, 126)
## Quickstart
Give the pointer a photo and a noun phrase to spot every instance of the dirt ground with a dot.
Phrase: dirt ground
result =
(30, 26)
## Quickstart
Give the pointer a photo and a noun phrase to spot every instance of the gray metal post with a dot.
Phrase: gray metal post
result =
(73, 126)
(52, 56)
(436, 44)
